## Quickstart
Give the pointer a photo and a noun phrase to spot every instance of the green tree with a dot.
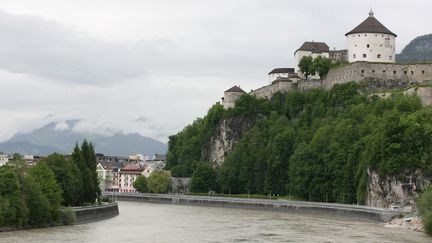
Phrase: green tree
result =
(424, 204)
(43, 175)
(306, 66)
(321, 66)
(203, 178)
(141, 184)
(159, 182)
(68, 176)
(37, 203)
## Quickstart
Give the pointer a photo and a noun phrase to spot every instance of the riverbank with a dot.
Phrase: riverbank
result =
(352, 211)
(412, 223)
(82, 215)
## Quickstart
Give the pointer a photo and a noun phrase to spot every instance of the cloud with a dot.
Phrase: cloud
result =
(61, 126)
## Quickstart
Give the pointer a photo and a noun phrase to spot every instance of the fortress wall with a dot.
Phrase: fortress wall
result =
(305, 85)
(359, 71)
(267, 92)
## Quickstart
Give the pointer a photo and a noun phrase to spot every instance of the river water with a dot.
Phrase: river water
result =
(146, 222)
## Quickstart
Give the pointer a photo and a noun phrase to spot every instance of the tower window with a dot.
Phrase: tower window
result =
(394, 72)
(412, 72)
(362, 71)
(354, 55)
(384, 71)
(367, 46)
(364, 55)
(379, 56)
(373, 71)
(405, 72)
(423, 72)
(391, 57)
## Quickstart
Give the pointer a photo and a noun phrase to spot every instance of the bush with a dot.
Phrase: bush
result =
(424, 204)
(68, 216)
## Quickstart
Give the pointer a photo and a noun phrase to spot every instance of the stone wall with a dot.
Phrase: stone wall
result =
(95, 213)
(392, 72)
(267, 92)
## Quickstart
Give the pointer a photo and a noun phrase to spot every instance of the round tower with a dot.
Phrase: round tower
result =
(371, 41)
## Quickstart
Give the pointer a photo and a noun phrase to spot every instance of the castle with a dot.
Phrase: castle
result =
(370, 55)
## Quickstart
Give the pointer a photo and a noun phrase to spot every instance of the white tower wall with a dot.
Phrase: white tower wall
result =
(371, 47)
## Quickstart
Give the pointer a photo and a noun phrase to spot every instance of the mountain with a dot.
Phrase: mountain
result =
(418, 50)
(61, 139)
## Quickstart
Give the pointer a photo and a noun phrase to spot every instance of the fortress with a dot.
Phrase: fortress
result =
(370, 55)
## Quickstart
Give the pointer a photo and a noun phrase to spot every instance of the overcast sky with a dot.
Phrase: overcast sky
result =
(154, 66)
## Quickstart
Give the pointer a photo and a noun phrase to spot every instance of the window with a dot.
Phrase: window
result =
(364, 55)
(391, 57)
(373, 71)
(412, 72)
(394, 72)
(384, 71)
(354, 55)
(355, 45)
(423, 72)
(362, 71)
(405, 72)
(379, 56)
(367, 46)
(365, 34)
(376, 35)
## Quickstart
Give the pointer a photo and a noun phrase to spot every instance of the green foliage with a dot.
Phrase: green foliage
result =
(49, 187)
(159, 182)
(316, 145)
(306, 66)
(141, 184)
(67, 216)
(68, 176)
(203, 178)
(85, 160)
(37, 203)
(321, 65)
(424, 204)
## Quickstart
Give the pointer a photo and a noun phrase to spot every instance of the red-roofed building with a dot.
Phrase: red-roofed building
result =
(128, 175)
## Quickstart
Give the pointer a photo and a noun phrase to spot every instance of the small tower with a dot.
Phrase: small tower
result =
(371, 41)
(231, 96)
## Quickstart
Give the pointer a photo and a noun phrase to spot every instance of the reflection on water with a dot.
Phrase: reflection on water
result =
(145, 222)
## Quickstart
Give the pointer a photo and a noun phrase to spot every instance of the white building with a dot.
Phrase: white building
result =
(313, 49)
(128, 175)
(371, 41)
(231, 96)
(278, 73)
(4, 158)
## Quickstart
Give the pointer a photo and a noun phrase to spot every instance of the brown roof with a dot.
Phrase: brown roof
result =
(282, 70)
(316, 47)
(235, 88)
(132, 167)
(371, 25)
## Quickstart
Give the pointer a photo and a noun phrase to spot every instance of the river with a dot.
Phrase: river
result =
(146, 222)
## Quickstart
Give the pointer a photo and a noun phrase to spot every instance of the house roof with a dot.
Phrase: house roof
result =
(282, 70)
(235, 88)
(312, 46)
(132, 167)
(371, 25)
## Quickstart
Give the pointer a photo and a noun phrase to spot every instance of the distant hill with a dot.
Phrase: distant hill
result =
(418, 50)
(52, 138)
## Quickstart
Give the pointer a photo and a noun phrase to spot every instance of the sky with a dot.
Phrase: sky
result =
(153, 67)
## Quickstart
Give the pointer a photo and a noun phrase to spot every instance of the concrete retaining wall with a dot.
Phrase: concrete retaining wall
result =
(95, 213)
(352, 211)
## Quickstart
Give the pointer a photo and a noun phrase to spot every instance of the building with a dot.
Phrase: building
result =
(105, 174)
(4, 159)
(371, 41)
(128, 175)
(338, 55)
(231, 96)
(313, 49)
(278, 73)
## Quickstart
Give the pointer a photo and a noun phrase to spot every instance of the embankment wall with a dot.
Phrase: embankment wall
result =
(95, 213)
(352, 211)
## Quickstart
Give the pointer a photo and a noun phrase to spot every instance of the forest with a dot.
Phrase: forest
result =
(316, 145)
(33, 196)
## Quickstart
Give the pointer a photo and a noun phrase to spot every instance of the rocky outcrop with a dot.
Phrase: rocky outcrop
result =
(386, 191)
(424, 93)
(228, 132)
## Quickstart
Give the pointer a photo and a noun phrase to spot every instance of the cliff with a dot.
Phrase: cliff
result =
(385, 191)
(228, 132)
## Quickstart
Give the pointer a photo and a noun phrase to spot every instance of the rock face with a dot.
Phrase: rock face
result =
(425, 94)
(385, 191)
(228, 132)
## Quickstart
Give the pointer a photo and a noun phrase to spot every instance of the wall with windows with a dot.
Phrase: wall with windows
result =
(371, 47)
(359, 71)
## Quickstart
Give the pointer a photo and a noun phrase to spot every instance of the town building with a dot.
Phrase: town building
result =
(128, 175)
(4, 159)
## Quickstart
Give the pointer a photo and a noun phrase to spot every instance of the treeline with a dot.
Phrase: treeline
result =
(32, 196)
(316, 145)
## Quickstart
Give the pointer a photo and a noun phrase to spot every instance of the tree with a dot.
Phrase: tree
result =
(141, 184)
(203, 178)
(43, 175)
(321, 65)
(424, 204)
(306, 66)
(68, 177)
(159, 182)
(37, 203)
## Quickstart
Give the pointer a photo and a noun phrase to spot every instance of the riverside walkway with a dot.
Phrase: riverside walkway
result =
(353, 211)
